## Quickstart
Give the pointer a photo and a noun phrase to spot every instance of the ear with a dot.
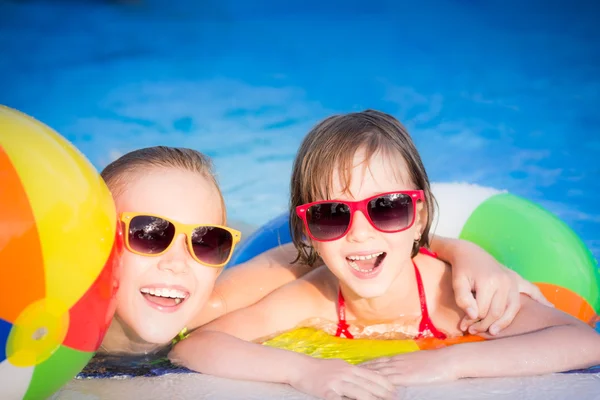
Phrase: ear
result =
(420, 220)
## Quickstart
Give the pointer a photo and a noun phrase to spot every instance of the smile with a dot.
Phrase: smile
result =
(366, 265)
(165, 299)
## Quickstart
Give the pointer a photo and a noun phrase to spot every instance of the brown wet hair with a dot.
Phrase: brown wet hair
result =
(331, 145)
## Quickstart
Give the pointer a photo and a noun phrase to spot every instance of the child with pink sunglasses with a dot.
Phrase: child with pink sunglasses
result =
(177, 243)
(361, 204)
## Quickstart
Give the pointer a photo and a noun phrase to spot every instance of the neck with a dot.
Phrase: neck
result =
(119, 339)
(397, 302)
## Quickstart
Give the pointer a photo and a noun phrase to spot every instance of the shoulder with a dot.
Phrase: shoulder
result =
(319, 283)
(308, 294)
(279, 311)
(435, 272)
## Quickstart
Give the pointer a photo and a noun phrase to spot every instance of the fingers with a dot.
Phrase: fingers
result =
(466, 323)
(532, 291)
(396, 372)
(379, 384)
(363, 389)
(385, 366)
(496, 310)
(332, 395)
(464, 296)
(513, 307)
(488, 290)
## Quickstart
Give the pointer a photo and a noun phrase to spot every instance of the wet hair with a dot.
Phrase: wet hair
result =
(117, 173)
(331, 145)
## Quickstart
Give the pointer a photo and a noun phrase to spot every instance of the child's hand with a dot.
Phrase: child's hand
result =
(337, 380)
(416, 368)
(487, 291)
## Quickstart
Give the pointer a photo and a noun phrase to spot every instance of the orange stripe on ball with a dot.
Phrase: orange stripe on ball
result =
(21, 259)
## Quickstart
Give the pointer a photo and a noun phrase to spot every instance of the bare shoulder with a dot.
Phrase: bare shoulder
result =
(281, 310)
(436, 273)
(320, 280)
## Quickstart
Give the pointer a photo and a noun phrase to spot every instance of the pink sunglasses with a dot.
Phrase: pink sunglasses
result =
(390, 212)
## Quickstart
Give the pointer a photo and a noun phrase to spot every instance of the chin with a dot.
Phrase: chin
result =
(158, 334)
(159, 328)
(370, 290)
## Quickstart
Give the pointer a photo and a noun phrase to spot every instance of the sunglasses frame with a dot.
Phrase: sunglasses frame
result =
(186, 229)
(360, 205)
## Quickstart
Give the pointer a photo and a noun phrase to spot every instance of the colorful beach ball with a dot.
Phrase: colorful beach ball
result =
(59, 249)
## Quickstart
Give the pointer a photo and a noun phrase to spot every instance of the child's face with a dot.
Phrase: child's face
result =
(383, 174)
(185, 197)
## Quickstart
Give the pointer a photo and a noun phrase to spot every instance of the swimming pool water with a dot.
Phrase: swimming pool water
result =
(501, 94)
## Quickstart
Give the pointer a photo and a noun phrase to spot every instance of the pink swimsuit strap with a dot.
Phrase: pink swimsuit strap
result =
(426, 327)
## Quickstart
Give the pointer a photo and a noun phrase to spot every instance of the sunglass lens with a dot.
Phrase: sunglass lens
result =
(328, 221)
(212, 245)
(392, 212)
(150, 235)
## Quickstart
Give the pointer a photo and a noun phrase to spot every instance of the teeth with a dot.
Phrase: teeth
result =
(357, 268)
(367, 257)
(172, 293)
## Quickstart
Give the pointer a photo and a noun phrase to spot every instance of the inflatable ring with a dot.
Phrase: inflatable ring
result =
(518, 233)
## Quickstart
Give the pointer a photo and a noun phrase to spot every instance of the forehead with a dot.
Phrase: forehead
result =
(366, 175)
(184, 196)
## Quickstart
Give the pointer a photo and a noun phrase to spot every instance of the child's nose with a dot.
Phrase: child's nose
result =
(361, 229)
(177, 258)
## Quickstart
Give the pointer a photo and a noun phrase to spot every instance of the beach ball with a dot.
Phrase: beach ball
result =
(59, 251)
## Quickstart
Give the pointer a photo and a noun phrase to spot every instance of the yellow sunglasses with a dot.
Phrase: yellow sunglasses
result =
(152, 235)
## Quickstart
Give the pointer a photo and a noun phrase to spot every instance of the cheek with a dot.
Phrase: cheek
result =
(205, 278)
(320, 248)
(402, 242)
(327, 250)
(204, 283)
(133, 267)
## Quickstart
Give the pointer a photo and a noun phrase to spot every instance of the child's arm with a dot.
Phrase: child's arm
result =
(220, 354)
(485, 290)
(540, 340)
(217, 349)
(251, 281)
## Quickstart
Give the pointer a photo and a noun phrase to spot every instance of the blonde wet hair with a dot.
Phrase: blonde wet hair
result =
(331, 145)
(117, 173)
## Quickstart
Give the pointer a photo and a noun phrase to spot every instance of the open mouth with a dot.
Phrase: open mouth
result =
(164, 297)
(368, 265)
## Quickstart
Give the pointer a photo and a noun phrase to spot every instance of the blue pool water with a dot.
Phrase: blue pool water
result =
(497, 93)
